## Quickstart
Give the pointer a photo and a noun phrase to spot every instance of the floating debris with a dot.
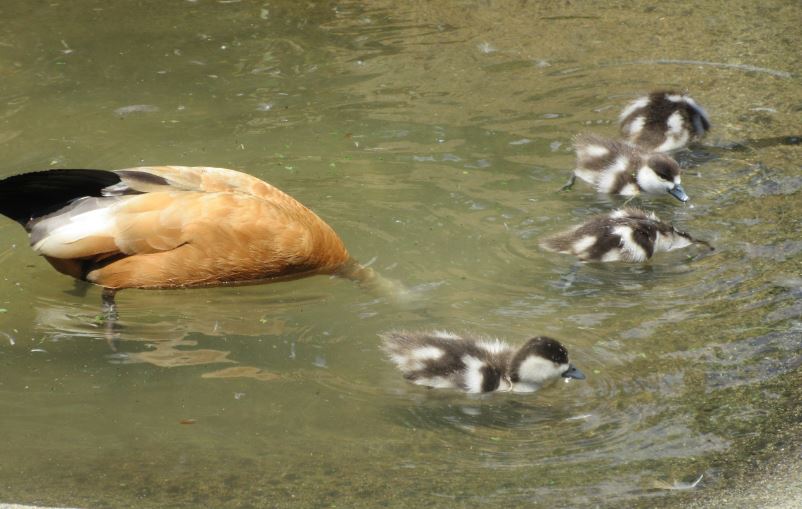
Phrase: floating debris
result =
(678, 485)
(136, 108)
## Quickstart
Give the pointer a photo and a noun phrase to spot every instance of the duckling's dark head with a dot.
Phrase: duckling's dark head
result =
(540, 360)
(660, 175)
(687, 236)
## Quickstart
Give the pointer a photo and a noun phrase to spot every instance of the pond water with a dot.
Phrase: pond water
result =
(433, 137)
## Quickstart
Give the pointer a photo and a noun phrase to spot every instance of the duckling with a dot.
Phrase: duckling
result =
(627, 235)
(664, 121)
(172, 227)
(620, 168)
(444, 360)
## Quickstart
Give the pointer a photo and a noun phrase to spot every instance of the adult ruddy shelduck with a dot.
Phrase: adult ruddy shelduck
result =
(172, 227)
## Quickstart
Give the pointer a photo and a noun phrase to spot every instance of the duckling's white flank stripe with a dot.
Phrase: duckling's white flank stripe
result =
(613, 255)
(628, 244)
(674, 123)
(593, 151)
(427, 353)
(583, 244)
(608, 178)
(473, 373)
(636, 126)
(634, 105)
(436, 382)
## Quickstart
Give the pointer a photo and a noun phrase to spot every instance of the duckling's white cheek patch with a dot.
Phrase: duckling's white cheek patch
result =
(650, 182)
(537, 370)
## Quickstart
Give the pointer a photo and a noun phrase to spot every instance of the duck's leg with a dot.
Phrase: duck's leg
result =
(109, 316)
(568, 185)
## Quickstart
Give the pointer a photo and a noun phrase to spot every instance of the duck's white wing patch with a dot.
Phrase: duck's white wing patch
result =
(57, 236)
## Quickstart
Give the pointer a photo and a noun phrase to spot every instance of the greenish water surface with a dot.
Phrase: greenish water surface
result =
(433, 137)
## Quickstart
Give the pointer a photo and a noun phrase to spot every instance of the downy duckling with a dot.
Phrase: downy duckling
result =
(444, 360)
(627, 235)
(664, 121)
(620, 168)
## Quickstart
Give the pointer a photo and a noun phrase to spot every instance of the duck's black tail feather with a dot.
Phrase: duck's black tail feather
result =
(30, 195)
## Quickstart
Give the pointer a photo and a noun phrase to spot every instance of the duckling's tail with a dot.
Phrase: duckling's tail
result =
(374, 282)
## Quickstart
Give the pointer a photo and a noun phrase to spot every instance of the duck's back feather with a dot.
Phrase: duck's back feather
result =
(171, 226)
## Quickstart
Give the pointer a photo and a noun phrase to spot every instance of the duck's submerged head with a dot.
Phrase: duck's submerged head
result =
(627, 235)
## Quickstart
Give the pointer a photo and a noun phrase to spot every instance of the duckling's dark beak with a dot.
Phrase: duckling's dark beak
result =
(679, 193)
(573, 373)
(695, 241)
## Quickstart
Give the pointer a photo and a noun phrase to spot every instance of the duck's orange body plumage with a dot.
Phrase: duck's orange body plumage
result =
(170, 226)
